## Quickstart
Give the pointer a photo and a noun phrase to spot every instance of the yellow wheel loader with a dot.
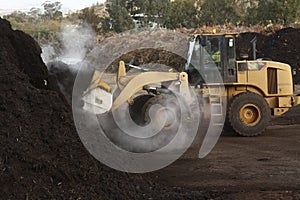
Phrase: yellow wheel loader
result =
(246, 92)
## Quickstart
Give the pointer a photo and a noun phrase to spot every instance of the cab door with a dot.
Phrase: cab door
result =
(229, 62)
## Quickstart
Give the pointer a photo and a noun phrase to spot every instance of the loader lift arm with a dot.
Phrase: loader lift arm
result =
(139, 81)
(130, 85)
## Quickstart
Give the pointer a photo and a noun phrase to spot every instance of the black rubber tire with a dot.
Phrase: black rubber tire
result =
(254, 101)
(227, 127)
(137, 111)
(134, 144)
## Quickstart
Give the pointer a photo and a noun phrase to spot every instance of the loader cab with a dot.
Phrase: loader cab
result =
(211, 59)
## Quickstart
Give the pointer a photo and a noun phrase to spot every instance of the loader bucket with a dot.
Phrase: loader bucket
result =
(98, 97)
(97, 101)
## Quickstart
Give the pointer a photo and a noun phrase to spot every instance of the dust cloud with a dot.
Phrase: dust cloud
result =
(65, 60)
(76, 41)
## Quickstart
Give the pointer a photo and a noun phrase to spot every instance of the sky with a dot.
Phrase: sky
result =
(7, 6)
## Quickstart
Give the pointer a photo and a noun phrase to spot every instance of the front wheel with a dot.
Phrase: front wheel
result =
(156, 121)
(248, 114)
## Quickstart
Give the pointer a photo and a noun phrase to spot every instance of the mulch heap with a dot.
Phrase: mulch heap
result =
(41, 155)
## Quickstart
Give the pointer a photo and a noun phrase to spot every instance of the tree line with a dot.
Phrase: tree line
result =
(194, 13)
(118, 15)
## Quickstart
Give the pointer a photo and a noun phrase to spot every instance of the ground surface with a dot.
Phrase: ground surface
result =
(264, 167)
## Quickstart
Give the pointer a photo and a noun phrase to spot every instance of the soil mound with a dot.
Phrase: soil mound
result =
(19, 49)
(41, 156)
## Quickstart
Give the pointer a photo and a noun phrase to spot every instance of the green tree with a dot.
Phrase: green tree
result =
(152, 10)
(158, 11)
(90, 17)
(218, 12)
(52, 10)
(251, 12)
(273, 11)
(183, 13)
(34, 15)
(119, 18)
(17, 17)
(285, 11)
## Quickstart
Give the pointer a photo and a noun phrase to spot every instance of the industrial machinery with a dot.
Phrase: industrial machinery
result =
(255, 90)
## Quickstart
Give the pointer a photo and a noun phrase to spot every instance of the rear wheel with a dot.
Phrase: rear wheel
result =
(248, 114)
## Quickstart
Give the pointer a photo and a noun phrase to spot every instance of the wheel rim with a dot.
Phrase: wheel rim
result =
(250, 114)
